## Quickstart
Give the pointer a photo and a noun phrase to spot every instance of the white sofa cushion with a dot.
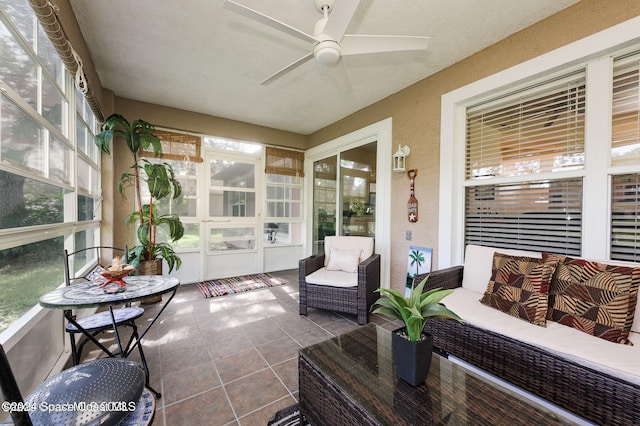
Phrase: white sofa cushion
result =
(477, 265)
(344, 260)
(333, 278)
(365, 244)
(613, 358)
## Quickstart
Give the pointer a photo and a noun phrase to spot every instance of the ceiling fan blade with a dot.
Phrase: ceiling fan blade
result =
(267, 20)
(288, 68)
(339, 18)
(353, 44)
(340, 77)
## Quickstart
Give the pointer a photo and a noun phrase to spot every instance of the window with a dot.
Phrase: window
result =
(284, 170)
(597, 156)
(534, 132)
(625, 155)
(49, 165)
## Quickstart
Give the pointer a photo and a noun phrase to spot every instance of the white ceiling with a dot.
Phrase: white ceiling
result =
(196, 56)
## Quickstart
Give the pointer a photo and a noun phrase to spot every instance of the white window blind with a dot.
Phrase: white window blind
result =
(625, 122)
(533, 131)
(538, 216)
(625, 217)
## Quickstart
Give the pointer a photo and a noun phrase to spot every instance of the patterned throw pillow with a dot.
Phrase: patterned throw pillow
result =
(595, 298)
(519, 286)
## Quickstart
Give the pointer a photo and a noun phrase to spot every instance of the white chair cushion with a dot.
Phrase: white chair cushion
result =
(364, 244)
(613, 358)
(333, 278)
(344, 260)
(477, 265)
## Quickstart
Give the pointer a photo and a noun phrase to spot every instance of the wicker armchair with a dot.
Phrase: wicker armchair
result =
(327, 282)
(591, 394)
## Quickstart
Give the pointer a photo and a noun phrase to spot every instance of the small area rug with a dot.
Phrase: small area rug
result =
(224, 286)
(289, 416)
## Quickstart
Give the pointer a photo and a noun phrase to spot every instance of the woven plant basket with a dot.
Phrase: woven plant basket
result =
(150, 267)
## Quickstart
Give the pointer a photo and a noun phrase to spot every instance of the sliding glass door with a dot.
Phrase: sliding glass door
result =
(344, 194)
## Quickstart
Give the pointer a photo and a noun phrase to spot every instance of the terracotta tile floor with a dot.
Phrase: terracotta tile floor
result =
(232, 360)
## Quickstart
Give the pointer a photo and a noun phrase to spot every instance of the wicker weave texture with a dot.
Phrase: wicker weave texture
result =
(351, 300)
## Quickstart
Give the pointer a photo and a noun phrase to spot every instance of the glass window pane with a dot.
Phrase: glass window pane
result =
(84, 175)
(190, 239)
(232, 174)
(60, 161)
(49, 58)
(17, 67)
(535, 216)
(53, 104)
(81, 134)
(27, 274)
(235, 146)
(232, 203)
(358, 167)
(21, 140)
(86, 207)
(324, 201)
(21, 15)
(224, 239)
(27, 202)
(283, 232)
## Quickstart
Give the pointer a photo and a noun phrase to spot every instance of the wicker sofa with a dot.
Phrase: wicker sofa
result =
(596, 379)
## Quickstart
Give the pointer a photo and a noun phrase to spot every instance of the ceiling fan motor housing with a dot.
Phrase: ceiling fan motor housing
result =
(327, 52)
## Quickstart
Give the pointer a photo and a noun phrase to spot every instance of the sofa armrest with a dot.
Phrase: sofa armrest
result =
(369, 275)
(310, 264)
(368, 283)
(446, 278)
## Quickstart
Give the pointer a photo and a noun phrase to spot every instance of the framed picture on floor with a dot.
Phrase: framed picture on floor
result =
(418, 262)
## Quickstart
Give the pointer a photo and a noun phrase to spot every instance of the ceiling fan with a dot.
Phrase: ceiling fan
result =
(329, 40)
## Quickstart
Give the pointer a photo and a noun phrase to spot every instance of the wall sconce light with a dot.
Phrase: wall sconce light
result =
(400, 158)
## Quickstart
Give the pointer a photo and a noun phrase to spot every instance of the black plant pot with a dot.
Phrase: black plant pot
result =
(412, 359)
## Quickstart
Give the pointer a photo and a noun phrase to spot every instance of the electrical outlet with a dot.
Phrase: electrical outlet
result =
(407, 235)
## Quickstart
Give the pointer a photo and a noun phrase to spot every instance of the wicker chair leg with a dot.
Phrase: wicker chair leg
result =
(303, 310)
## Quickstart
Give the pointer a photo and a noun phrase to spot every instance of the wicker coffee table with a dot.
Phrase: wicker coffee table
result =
(350, 380)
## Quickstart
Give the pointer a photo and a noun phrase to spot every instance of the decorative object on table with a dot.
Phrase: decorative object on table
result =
(161, 182)
(115, 273)
(412, 204)
(220, 287)
(412, 347)
(418, 263)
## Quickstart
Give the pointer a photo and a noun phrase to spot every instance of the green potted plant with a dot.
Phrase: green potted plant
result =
(412, 347)
(161, 182)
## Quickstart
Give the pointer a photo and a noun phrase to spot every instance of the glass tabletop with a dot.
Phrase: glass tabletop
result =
(90, 294)
(360, 364)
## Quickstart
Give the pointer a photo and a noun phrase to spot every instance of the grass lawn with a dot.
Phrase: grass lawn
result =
(22, 285)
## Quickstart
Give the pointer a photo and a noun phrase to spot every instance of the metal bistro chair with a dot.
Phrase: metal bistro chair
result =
(109, 388)
(101, 321)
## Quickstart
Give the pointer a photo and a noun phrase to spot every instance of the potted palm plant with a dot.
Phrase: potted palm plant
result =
(160, 181)
(412, 347)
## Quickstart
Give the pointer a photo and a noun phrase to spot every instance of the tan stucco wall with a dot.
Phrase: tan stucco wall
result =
(415, 112)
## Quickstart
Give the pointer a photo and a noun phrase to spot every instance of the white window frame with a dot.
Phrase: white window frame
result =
(595, 53)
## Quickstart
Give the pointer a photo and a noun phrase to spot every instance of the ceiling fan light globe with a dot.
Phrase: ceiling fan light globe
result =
(327, 52)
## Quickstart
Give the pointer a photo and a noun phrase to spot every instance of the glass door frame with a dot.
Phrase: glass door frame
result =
(208, 222)
(380, 132)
